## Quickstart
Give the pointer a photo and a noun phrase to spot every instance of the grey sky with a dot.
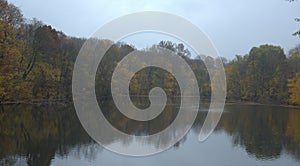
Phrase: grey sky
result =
(234, 26)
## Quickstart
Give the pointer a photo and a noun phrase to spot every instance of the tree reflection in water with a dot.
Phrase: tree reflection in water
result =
(39, 134)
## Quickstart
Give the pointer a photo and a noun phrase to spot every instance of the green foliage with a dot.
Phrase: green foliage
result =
(294, 89)
(11, 53)
(265, 74)
(36, 63)
(294, 61)
(235, 74)
(260, 76)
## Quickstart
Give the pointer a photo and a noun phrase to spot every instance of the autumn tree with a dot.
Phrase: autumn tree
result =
(11, 53)
(294, 89)
(235, 76)
(294, 61)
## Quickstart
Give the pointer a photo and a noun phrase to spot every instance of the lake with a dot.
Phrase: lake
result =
(246, 135)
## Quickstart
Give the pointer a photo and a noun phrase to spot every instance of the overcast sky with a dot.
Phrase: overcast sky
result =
(234, 26)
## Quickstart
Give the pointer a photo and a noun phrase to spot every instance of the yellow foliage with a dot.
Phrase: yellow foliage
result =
(294, 89)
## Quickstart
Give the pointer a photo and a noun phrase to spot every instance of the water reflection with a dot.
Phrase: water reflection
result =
(39, 133)
(264, 131)
(35, 135)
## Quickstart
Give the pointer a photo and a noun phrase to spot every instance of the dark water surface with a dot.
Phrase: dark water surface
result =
(246, 135)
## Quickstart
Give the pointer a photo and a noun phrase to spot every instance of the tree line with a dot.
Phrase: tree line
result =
(36, 64)
(265, 75)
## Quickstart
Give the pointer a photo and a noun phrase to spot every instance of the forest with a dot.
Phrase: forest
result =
(36, 65)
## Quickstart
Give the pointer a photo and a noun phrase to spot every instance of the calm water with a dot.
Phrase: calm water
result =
(246, 135)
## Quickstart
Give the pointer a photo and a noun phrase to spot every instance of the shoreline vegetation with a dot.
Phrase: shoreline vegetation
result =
(36, 101)
(36, 65)
(67, 102)
(254, 103)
